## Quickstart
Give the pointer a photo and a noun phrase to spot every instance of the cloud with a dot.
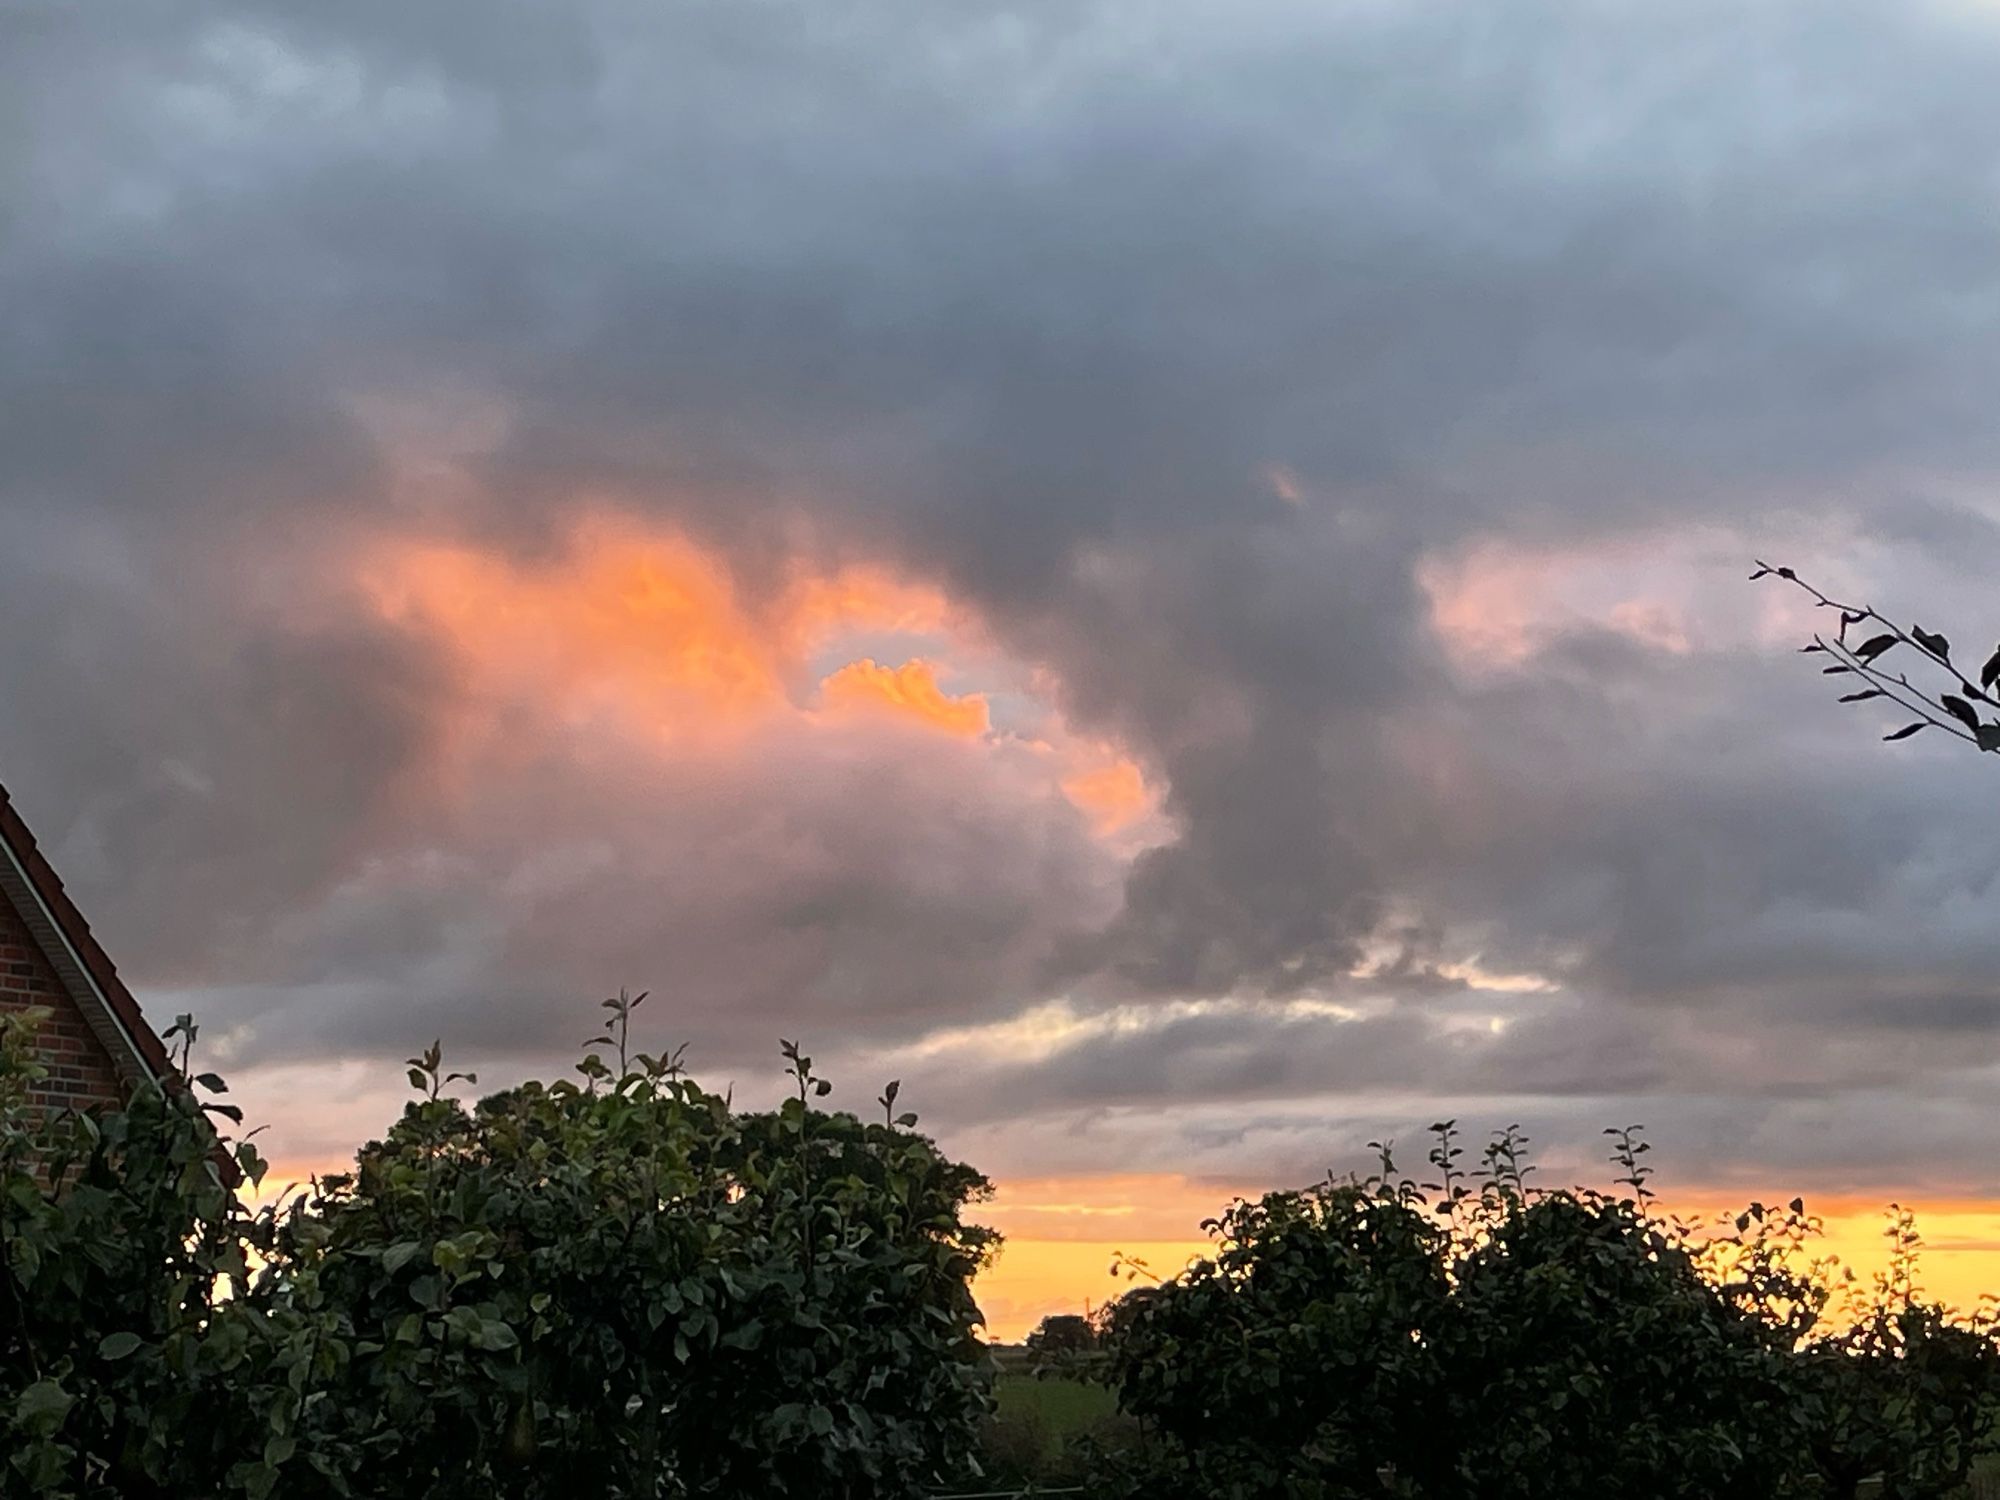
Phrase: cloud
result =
(914, 521)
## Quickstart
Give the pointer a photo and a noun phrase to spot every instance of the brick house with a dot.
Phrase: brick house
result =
(98, 1042)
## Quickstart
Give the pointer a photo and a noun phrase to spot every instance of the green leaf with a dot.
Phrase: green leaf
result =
(494, 1335)
(118, 1345)
(42, 1408)
(1907, 730)
(400, 1254)
(1874, 646)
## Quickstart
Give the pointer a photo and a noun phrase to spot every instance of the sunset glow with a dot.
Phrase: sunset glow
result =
(1197, 586)
(911, 689)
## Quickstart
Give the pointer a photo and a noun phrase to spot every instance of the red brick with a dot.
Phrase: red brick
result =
(82, 1072)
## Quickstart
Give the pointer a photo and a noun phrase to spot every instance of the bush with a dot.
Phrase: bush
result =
(129, 1360)
(1349, 1341)
(1301, 1358)
(620, 1287)
(1903, 1391)
(1587, 1355)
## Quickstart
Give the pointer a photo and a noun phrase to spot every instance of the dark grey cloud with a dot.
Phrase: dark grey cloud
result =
(1033, 304)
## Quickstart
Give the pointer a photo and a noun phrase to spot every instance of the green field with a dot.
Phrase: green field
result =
(1056, 1410)
(1063, 1407)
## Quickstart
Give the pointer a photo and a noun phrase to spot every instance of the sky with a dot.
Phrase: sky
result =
(1172, 575)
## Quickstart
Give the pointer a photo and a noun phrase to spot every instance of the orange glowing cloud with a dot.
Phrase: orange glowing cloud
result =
(1114, 795)
(818, 607)
(912, 690)
(623, 624)
(633, 631)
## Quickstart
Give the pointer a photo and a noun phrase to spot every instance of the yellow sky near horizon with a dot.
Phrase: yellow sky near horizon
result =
(1062, 1236)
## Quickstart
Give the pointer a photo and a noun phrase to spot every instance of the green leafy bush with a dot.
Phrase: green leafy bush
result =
(1499, 1341)
(618, 1287)
(1587, 1355)
(1301, 1355)
(129, 1359)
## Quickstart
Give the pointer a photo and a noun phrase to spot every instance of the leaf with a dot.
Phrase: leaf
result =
(1937, 645)
(907, 1120)
(1990, 673)
(1874, 646)
(118, 1345)
(494, 1335)
(889, 1094)
(821, 1088)
(212, 1082)
(1960, 710)
(399, 1255)
(416, 1076)
(1863, 697)
(1907, 730)
(1833, 671)
(42, 1407)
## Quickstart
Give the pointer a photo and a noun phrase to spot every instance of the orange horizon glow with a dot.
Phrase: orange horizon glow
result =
(1062, 1235)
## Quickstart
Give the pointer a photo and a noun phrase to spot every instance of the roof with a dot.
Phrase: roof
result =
(29, 882)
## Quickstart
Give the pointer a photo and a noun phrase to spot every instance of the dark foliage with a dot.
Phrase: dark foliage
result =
(1505, 1342)
(619, 1288)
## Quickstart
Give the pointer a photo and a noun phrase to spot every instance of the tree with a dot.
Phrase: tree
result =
(1063, 1333)
(1944, 697)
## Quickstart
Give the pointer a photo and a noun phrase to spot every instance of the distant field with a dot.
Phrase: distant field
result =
(1065, 1407)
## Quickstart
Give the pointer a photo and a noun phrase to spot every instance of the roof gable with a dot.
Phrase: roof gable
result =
(31, 886)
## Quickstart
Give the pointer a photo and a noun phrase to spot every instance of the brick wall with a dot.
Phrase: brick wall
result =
(80, 1071)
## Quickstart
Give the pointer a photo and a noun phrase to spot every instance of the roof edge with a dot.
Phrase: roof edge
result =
(110, 1007)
